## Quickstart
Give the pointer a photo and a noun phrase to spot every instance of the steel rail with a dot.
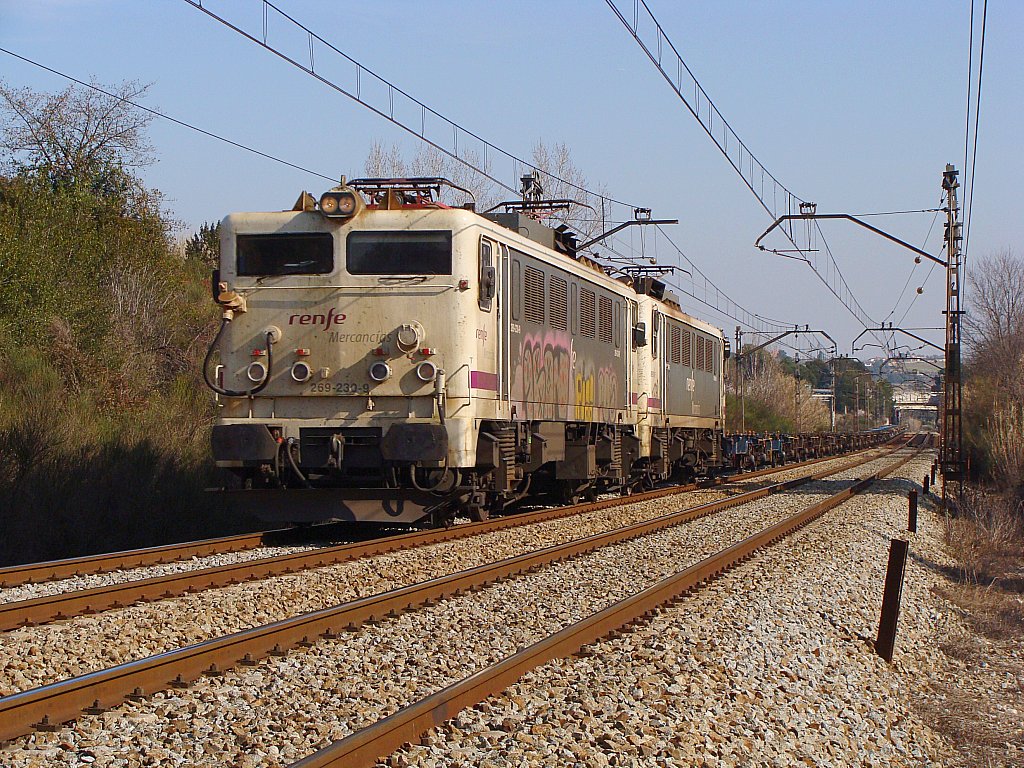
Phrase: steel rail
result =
(47, 608)
(375, 742)
(58, 702)
(50, 570)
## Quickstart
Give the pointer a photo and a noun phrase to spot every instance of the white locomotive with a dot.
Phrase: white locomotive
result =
(384, 357)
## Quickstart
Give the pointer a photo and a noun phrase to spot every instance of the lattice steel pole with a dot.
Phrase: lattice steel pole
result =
(740, 378)
(951, 448)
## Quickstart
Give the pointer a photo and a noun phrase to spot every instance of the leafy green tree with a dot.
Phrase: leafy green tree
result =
(102, 326)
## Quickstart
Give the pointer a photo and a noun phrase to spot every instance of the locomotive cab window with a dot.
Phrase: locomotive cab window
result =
(296, 253)
(488, 276)
(655, 332)
(399, 253)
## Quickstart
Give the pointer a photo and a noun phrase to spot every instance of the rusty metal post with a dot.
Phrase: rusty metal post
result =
(886, 641)
(912, 517)
(935, 467)
(925, 484)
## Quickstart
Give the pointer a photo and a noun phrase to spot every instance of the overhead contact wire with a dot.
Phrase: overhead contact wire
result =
(745, 157)
(169, 118)
(977, 117)
(393, 89)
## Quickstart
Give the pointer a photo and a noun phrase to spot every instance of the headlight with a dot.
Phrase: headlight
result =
(340, 202)
(346, 204)
(380, 372)
(301, 372)
(256, 372)
(426, 371)
(329, 205)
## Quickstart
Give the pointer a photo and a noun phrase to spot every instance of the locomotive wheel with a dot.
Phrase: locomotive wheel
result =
(478, 513)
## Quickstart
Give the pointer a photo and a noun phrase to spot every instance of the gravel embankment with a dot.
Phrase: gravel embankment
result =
(770, 665)
(34, 656)
(283, 708)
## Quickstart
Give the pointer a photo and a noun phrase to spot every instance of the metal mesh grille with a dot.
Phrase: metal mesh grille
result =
(675, 346)
(559, 310)
(687, 353)
(533, 282)
(587, 319)
(699, 365)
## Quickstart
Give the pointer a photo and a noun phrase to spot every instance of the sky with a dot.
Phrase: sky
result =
(856, 106)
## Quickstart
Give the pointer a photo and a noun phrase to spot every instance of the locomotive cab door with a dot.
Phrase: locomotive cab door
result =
(658, 353)
(502, 325)
(487, 360)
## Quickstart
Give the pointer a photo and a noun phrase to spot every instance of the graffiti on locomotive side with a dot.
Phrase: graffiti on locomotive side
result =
(596, 396)
(550, 381)
(541, 376)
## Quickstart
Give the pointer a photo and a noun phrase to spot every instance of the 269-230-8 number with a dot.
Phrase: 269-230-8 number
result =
(339, 388)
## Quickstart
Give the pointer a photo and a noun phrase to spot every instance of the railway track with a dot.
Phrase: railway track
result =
(367, 745)
(63, 605)
(46, 706)
(53, 570)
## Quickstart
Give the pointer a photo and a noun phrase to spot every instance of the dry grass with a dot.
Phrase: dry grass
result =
(986, 534)
(980, 707)
(77, 479)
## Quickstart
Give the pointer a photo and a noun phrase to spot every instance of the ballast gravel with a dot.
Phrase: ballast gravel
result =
(770, 665)
(125, 575)
(284, 708)
(33, 656)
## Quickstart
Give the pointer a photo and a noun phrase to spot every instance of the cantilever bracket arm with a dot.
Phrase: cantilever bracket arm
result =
(901, 359)
(853, 344)
(622, 226)
(740, 354)
(855, 220)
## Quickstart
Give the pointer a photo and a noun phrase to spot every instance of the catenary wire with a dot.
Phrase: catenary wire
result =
(165, 116)
(894, 213)
(977, 115)
(392, 91)
(913, 269)
(310, 69)
(970, 86)
(744, 158)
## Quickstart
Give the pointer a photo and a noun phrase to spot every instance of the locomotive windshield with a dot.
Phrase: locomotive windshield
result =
(305, 253)
(399, 253)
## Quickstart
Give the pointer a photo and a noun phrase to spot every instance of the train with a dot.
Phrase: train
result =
(385, 357)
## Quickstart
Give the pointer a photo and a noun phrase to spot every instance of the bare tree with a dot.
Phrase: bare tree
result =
(559, 176)
(77, 134)
(994, 324)
(387, 161)
(563, 179)
(994, 390)
(767, 382)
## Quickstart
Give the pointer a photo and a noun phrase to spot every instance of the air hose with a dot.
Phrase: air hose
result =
(291, 460)
(239, 392)
(445, 474)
